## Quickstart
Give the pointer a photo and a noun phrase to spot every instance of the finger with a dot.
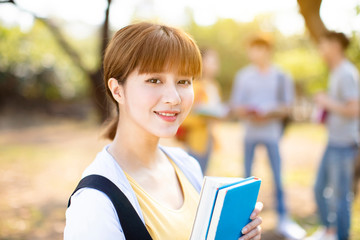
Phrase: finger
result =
(257, 237)
(254, 234)
(253, 224)
(258, 208)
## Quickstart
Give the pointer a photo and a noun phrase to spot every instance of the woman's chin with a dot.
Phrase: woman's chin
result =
(166, 133)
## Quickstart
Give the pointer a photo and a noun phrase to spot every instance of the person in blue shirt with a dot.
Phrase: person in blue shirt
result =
(262, 96)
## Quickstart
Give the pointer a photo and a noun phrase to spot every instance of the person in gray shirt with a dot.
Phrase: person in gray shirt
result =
(333, 187)
(262, 96)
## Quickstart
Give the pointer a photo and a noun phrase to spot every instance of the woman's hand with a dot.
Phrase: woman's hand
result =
(252, 231)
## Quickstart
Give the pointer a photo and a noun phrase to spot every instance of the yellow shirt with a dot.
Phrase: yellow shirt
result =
(164, 223)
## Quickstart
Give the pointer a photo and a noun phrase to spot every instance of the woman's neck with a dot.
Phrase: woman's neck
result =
(134, 148)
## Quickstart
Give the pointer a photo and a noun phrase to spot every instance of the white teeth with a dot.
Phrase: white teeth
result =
(167, 114)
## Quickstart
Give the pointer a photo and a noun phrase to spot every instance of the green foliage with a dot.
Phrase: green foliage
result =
(299, 57)
(43, 70)
(357, 9)
(228, 38)
(353, 51)
(40, 67)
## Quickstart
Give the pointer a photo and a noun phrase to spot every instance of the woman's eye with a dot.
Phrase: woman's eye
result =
(154, 80)
(185, 82)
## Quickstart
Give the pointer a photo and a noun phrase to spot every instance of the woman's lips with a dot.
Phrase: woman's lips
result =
(168, 116)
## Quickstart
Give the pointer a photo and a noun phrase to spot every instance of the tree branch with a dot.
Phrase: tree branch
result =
(101, 101)
(105, 31)
(310, 10)
(59, 37)
(7, 1)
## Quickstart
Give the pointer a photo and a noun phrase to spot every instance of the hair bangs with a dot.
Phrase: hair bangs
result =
(169, 50)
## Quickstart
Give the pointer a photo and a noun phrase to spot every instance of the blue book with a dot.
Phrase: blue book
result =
(232, 208)
(208, 195)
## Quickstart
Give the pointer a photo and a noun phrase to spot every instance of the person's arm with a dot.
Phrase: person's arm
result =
(240, 111)
(279, 112)
(252, 231)
(92, 216)
(348, 89)
(348, 109)
(244, 112)
(283, 110)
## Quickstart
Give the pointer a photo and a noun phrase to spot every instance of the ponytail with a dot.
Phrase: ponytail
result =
(111, 128)
(112, 124)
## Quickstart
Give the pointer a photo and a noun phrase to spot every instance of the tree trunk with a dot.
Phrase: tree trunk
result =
(310, 10)
(100, 99)
(95, 77)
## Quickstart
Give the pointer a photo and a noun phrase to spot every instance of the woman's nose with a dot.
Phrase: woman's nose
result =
(171, 95)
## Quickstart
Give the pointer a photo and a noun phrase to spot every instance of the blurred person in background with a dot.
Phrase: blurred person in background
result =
(333, 187)
(262, 96)
(196, 131)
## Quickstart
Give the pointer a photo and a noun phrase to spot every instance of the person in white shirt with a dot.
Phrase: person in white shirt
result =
(148, 74)
(333, 187)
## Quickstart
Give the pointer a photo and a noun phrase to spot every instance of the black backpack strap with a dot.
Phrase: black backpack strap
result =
(132, 225)
(281, 81)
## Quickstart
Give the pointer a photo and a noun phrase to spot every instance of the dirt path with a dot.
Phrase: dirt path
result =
(40, 165)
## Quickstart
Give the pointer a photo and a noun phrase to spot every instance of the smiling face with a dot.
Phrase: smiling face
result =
(148, 71)
(156, 103)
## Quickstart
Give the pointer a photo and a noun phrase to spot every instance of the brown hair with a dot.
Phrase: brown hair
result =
(149, 48)
(261, 40)
(338, 37)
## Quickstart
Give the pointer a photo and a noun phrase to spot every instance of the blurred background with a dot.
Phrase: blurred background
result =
(52, 102)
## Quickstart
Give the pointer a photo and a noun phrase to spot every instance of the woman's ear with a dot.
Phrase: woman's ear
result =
(117, 90)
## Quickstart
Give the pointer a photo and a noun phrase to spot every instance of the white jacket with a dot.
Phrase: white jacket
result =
(92, 216)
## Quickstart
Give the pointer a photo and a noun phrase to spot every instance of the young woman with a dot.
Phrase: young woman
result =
(148, 73)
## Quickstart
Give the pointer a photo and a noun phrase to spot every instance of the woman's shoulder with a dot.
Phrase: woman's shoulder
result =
(90, 207)
(105, 165)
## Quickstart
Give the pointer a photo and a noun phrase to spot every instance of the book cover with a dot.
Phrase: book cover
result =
(207, 200)
(232, 209)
